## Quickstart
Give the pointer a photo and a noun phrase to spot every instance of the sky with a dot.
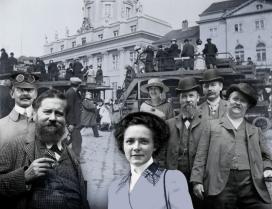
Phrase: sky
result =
(24, 23)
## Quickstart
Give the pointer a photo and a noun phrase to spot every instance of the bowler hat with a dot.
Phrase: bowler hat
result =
(24, 79)
(154, 82)
(211, 75)
(188, 84)
(246, 90)
(209, 39)
(186, 40)
(75, 80)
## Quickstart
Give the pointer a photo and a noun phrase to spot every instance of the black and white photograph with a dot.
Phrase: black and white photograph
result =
(136, 104)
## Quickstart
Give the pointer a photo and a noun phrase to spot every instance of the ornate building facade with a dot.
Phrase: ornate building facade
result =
(109, 32)
(240, 27)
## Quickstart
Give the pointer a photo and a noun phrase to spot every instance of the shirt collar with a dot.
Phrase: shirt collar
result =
(138, 170)
(21, 110)
(236, 123)
(49, 146)
(214, 103)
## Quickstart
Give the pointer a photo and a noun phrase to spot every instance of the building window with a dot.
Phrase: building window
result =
(261, 52)
(61, 47)
(73, 44)
(133, 28)
(51, 50)
(107, 11)
(259, 24)
(128, 10)
(115, 61)
(240, 52)
(116, 33)
(100, 36)
(238, 27)
(83, 41)
(213, 32)
(132, 57)
(259, 6)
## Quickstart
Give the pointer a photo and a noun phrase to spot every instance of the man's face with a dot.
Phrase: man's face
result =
(212, 90)
(24, 97)
(188, 101)
(237, 105)
(50, 119)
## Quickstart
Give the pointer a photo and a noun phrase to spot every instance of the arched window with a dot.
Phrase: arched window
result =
(240, 52)
(261, 52)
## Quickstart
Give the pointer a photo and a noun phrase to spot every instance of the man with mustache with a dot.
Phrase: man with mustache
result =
(232, 160)
(19, 120)
(214, 107)
(185, 132)
(38, 170)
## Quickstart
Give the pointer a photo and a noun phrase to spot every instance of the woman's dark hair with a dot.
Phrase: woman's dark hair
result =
(158, 127)
(51, 93)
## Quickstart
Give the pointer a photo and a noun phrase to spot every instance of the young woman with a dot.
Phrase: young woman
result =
(140, 136)
(156, 105)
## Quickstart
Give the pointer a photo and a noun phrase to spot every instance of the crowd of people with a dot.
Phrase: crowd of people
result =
(55, 71)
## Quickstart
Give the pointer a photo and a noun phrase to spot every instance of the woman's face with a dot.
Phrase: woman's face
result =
(154, 92)
(138, 144)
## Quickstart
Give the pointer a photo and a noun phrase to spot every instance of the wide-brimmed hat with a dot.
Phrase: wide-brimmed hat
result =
(211, 75)
(24, 79)
(188, 84)
(154, 82)
(246, 90)
(75, 80)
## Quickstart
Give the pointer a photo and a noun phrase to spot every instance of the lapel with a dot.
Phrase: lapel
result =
(30, 147)
(204, 109)
(250, 129)
(224, 121)
(196, 120)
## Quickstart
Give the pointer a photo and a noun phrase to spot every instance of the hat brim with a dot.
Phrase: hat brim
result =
(252, 100)
(196, 87)
(212, 79)
(145, 87)
(24, 85)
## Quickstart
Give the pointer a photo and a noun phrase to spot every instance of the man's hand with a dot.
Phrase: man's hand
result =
(198, 191)
(38, 168)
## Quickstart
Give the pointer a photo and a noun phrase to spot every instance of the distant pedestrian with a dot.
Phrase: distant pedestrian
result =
(210, 52)
(188, 51)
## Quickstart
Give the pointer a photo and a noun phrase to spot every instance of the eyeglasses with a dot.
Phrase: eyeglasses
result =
(27, 78)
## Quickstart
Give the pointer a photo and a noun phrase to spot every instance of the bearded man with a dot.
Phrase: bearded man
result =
(38, 170)
(185, 132)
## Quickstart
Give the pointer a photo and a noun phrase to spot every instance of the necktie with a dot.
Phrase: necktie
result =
(55, 149)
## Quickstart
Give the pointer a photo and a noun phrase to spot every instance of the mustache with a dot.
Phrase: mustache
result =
(25, 97)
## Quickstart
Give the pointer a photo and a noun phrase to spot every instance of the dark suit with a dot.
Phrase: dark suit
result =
(15, 156)
(73, 118)
(215, 153)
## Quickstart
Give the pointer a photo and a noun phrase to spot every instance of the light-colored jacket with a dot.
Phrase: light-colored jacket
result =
(14, 125)
(215, 152)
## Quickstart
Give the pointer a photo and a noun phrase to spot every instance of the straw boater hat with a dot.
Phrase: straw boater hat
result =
(188, 84)
(75, 80)
(247, 90)
(154, 82)
(210, 76)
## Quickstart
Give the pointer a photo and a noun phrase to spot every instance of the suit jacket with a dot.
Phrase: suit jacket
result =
(216, 150)
(74, 107)
(148, 191)
(176, 129)
(14, 125)
(204, 109)
(15, 156)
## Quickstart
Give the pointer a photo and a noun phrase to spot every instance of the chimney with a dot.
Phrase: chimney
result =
(184, 24)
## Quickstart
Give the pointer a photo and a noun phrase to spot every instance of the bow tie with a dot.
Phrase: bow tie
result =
(55, 149)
